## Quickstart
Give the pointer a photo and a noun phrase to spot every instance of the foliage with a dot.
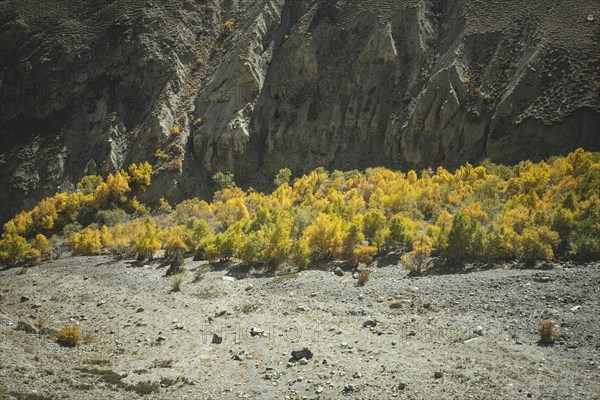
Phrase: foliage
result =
(148, 242)
(547, 331)
(416, 261)
(85, 243)
(68, 336)
(364, 275)
(140, 175)
(530, 211)
(228, 27)
(223, 180)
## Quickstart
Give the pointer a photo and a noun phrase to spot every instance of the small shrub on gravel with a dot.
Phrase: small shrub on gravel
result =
(547, 331)
(25, 327)
(363, 276)
(68, 336)
(176, 282)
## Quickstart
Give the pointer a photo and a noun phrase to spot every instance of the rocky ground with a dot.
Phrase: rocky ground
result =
(230, 332)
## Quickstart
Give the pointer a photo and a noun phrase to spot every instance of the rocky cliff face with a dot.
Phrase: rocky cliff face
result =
(89, 87)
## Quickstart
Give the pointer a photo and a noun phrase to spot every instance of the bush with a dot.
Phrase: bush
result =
(364, 254)
(417, 260)
(85, 243)
(141, 174)
(228, 27)
(223, 180)
(176, 282)
(148, 242)
(364, 275)
(547, 331)
(68, 336)
(12, 248)
(111, 217)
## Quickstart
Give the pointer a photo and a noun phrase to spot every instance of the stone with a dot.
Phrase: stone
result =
(401, 386)
(178, 326)
(302, 352)
(479, 331)
(319, 390)
(254, 331)
(140, 309)
(438, 375)
(338, 271)
(249, 287)
(216, 339)
(370, 323)
(303, 361)
(241, 356)
(348, 388)
(24, 299)
(161, 338)
(541, 279)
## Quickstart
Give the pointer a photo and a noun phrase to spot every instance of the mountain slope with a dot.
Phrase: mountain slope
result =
(89, 87)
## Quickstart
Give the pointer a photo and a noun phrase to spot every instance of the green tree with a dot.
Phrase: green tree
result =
(223, 180)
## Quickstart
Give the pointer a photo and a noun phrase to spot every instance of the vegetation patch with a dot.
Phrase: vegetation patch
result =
(487, 213)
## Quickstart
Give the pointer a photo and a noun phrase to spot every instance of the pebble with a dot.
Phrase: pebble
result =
(24, 299)
(303, 361)
(438, 374)
(479, 331)
(338, 271)
(140, 309)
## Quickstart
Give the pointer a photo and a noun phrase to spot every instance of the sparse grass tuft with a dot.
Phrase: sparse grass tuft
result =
(28, 396)
(162, 364)
(143, 388)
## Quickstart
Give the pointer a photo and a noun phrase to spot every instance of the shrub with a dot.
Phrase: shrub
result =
(363, 276)
(400, 231)
(537, 243)
(176, 282)
(417, 260)
(223, 180)
(228, 27)
(42, 245)
(325, 236)
(68, 336)
(373, 227)
(283, 177)
(148, 242)
(364, 254)
(111, 217)
(89, 183)
(547, 331)
(85, 243)
(175, 130)
(141, 174)
(175, 247)
(12, 248)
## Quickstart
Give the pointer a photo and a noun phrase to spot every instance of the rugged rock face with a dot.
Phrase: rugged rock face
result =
(89, 87)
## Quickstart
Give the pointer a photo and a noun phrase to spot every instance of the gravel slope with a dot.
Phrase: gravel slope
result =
(477, 330)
